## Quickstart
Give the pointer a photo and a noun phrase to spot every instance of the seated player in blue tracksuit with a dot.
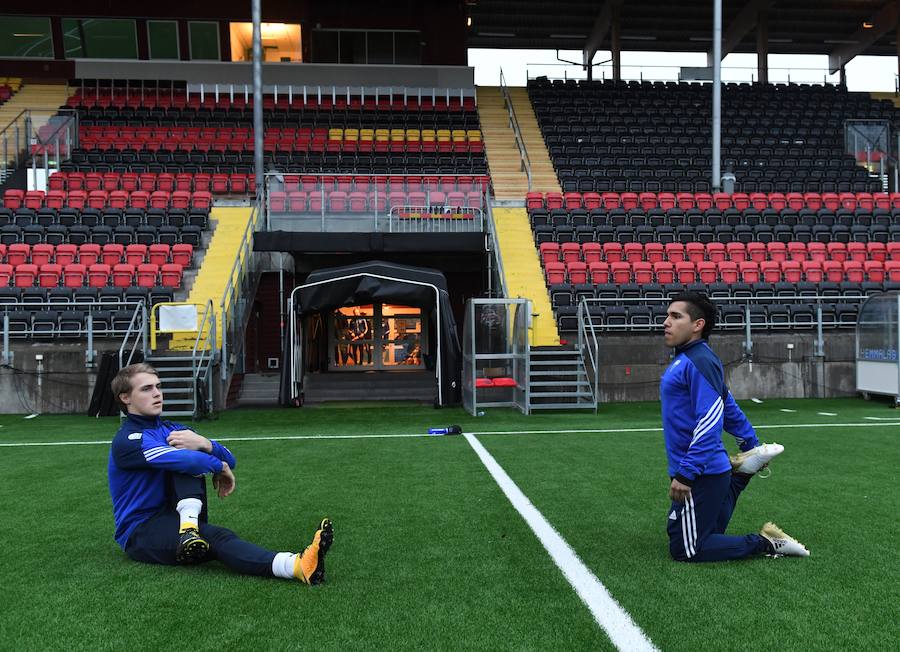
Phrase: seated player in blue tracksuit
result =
(157, 480)
(705, 482)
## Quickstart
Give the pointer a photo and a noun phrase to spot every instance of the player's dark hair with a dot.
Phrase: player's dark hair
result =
(699, 307)
(121, 384)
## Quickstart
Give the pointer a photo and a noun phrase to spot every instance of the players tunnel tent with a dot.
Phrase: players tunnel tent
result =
(326, 290)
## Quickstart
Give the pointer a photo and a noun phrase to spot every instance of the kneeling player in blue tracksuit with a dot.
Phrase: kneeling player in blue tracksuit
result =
(705, 482)
(157, 480)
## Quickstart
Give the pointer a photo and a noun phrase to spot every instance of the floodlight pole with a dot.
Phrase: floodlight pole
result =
(257, 95)
(717, 97)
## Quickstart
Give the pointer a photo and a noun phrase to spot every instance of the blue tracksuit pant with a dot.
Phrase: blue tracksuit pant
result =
(697, 527)
(154, 541)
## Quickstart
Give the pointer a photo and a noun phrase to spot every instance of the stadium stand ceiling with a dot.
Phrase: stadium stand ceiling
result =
(794, 26)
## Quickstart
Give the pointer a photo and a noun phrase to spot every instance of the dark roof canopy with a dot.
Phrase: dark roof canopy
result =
(794, 26)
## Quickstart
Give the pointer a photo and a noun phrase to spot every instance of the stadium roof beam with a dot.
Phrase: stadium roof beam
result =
(743, 23)
(608, 21)
(864, 37)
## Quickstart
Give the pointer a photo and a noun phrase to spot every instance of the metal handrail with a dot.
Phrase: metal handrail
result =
(588, 341)
(203, 358)
(236, 278)
(137, 329)
(514, 124)
(492, 230)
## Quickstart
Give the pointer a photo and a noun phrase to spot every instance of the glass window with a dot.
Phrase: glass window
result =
(163, 38)
(325, 46)
(380, 47)
(99, 38)
(408, 48)
(25, 36)
(204, 39)
(353, 47)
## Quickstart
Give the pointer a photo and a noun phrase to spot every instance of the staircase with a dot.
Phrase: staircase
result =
(43, 100)
(213, 275)
(259, 390)
(509, 180)
(558, 380)
(177, 377)
(522, 272)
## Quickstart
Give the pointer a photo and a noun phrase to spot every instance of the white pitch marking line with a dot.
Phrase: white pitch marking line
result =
(891, 419)
(586, 431)
(827, 414)
(786, 410)
(608, 613)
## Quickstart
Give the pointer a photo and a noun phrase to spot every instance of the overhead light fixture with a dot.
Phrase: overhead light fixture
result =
(781, 40)
(867, 25)
(636, 37)
(700, 38)
(498, 34)
(568, 36)
(27, 35)
(840, 41)
(468, 21)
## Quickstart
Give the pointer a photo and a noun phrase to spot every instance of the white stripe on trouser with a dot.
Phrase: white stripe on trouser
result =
(684, 531)
(693, 523)
(689, 527)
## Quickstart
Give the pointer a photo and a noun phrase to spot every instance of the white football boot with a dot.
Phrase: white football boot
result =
(754, 459)
(783, 543)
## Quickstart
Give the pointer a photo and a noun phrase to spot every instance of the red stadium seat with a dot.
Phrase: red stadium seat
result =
(592, 252)
(73, 275)
(576, 271)
(620, 272)
(182, 254)
(24, 275)
(147, 275)
(812, 271)
(18, 253)
(41, 254)
(599, 271)
(49, 275)
(170, 275)
(664, 271)
(113, 253)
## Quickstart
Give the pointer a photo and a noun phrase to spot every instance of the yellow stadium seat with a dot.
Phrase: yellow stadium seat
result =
(367, 134)
(474, 135)
(413, 134)
(351, 134)
(335, 134)
(443, 135)
(382, 135)
(459, 135)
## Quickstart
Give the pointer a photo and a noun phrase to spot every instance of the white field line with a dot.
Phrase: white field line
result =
(414, 435)
(608, 613)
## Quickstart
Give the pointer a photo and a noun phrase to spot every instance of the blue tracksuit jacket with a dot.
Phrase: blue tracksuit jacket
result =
(696, 406)
(138, 461)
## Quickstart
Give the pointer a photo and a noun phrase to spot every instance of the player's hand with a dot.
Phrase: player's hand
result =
(189, 440)
(224, 481)
(679, 492)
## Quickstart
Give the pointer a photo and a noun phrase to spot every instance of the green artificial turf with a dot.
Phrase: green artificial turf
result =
(429, 554)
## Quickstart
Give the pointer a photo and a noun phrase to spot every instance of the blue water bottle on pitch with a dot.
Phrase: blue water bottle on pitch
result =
(448, 430)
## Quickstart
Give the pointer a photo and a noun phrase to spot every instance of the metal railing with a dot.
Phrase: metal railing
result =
(589, 347)
(27, 136)
(750, 321)
(137, 334)
(730, 74)
(334, 93)
(19, 322)
(514, 125)
(233, 306)
(495, 257)
(203, 356)
(381, 207)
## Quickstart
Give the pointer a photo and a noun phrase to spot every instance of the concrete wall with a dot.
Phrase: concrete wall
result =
(632, 366)
(64, 385)
(630, 371)
(282, 74)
